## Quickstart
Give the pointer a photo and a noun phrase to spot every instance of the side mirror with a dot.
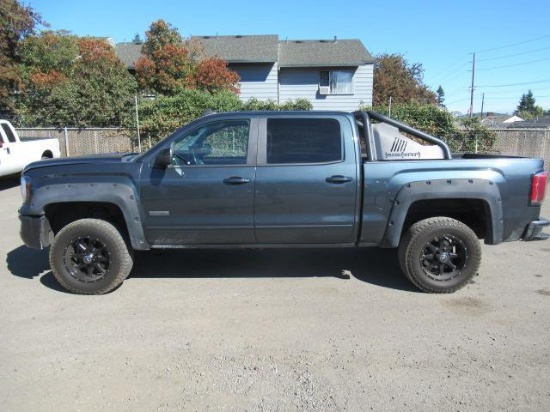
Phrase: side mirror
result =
(164, 159)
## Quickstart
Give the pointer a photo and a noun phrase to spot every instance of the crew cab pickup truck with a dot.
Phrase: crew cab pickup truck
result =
(282, 179)
(16, 152)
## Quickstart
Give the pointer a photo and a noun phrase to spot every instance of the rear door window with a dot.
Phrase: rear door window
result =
(300, 141)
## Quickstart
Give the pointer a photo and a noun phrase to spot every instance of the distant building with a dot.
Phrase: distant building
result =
(542, 122)
(332, 74)
(500, 121)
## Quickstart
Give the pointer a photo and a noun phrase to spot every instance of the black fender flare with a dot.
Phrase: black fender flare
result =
(478, 189)
(120, 193)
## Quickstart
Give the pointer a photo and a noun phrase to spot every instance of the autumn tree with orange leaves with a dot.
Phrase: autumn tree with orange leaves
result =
(170, 64)
(73, 81)
(16, 23)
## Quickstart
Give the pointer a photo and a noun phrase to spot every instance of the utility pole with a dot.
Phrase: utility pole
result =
(473, 86)
(482, 103)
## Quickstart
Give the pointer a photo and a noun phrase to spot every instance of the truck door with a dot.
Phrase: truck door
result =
(205, 197)
(307, 181)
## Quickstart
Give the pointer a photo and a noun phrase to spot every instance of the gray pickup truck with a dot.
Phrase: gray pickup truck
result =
(282, 179)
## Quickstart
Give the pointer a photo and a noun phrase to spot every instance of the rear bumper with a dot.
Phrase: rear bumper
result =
(533, 231)
(35, 231)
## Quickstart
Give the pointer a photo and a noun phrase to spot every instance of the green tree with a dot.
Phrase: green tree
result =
(440, 96)
(527, 109)
(160, 35)
(163, 115)
(16, 23)
(73, 81)
(473, 137)
(395, 78)
(426, 117)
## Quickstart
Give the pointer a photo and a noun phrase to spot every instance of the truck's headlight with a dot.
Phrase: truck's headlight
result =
(26, 189)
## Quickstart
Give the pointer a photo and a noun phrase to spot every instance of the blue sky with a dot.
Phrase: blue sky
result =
(511, 39)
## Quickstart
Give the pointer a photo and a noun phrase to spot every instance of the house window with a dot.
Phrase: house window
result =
(336, 81)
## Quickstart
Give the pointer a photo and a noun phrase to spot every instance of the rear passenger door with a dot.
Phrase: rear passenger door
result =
(306, 181)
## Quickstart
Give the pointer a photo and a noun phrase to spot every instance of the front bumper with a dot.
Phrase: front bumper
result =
(533, 231)
(35, 231)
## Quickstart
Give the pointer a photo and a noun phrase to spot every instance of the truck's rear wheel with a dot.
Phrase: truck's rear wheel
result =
(439, 255)
(90, 256)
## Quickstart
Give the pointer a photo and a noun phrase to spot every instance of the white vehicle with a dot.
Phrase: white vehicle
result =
(16, 153)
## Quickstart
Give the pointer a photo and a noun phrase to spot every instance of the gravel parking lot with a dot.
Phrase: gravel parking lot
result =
(286, 330)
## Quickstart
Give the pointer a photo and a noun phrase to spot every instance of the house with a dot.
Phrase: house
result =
(512, 119)
(542, 122)
(334, 74)
(496, 121)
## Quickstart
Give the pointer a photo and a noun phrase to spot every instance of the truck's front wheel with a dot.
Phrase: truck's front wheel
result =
(90, 256)
(439, 255)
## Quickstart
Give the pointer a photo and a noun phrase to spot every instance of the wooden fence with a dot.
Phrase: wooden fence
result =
(524, 142)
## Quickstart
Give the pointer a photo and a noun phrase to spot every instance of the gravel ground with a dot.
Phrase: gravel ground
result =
(285, 330)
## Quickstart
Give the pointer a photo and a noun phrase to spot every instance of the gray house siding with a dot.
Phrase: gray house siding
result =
(296, 83)
(257, 80)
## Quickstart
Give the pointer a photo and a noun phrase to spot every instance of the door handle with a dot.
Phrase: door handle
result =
(236, 180)
(338, 179)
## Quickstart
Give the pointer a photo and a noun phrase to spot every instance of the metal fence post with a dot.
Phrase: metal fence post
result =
(66, 133)
(96, 142)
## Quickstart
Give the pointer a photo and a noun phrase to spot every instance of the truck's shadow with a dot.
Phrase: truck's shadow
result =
(371, 265)
(29, 264)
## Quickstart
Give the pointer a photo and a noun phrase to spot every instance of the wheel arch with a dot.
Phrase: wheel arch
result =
(48, 154)
(475, 202)
(113, 202)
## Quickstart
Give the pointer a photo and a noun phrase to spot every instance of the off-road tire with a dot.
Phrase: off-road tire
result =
(90, 257)
(439, 254)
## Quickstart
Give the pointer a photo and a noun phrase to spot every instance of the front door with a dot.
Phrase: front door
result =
(205, 197)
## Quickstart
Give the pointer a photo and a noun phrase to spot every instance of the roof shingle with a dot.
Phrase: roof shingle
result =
(323, 53)
(241, 49)
(268, 49)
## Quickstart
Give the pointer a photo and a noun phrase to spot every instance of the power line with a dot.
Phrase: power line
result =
(452, 68)
(516, 84)
(454, 77)
(457, 101)
(513, 44)
(513, 55)
(515, 65)
(518, 91)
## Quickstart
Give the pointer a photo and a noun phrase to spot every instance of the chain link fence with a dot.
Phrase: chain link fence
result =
(79, 142)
